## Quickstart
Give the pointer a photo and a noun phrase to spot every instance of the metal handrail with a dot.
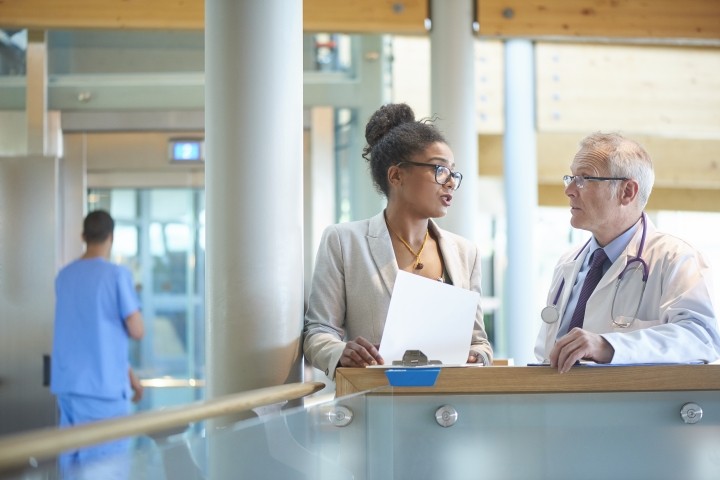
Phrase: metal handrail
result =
(23, 449)
(172, 382)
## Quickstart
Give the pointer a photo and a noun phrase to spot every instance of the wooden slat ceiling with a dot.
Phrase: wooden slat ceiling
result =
(619, 19)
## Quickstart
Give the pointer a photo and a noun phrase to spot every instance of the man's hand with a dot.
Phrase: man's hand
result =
(360, 353)
(580, 344)
(136, 386)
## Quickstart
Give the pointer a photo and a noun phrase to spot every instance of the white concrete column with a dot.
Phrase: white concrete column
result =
(372, 73)
(319, 183)
(73, 199)
(36, 93)
(452, 79)
(521, 316)
(28, 242)
(254, 171)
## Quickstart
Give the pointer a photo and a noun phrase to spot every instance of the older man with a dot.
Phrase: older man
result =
(631, 294)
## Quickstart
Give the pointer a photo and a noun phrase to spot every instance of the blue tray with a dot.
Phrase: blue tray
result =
(412, 377)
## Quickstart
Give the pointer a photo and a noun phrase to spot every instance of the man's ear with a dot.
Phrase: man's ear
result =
(629, 192)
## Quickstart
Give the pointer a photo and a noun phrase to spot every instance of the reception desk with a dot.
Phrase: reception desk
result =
(594, 422)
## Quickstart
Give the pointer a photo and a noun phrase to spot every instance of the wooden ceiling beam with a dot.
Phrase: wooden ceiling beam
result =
(365, 16)
(103, 14)
(349, 16)
(620, 19)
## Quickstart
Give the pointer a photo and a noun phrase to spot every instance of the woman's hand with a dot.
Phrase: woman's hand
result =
(475, 357)
(360, 353)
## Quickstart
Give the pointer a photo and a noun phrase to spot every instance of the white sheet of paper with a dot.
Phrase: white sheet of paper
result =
(430, 316)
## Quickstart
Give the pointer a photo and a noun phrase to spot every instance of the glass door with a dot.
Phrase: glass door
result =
(160, 237)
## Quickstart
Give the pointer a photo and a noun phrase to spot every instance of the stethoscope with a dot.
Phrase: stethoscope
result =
(551, 314)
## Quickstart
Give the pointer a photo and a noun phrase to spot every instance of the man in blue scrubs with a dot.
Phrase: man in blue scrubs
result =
(96, 313)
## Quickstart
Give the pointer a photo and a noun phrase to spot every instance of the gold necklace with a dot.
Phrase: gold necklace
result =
(417, 265)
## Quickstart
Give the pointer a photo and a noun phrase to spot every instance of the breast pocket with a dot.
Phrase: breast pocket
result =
(630, 305)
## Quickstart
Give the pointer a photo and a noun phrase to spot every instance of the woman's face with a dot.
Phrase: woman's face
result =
(416, 187)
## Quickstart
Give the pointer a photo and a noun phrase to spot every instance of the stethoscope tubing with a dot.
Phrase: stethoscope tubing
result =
(551, 314)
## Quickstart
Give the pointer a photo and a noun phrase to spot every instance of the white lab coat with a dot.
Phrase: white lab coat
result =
(676, 321)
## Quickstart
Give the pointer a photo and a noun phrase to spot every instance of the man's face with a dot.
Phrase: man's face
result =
(595, 207)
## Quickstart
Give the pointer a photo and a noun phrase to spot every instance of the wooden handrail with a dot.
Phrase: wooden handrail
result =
(17, 450)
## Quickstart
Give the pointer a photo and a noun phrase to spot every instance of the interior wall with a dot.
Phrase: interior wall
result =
(28, 258)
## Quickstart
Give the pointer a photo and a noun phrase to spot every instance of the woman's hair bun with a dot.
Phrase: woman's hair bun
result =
(385, 119)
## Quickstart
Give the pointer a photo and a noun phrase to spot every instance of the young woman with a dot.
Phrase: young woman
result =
(357, 262)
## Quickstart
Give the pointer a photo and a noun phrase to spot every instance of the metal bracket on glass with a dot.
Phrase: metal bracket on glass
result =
(446, 416)
(415, 358)
(691, 413)
(340, 416)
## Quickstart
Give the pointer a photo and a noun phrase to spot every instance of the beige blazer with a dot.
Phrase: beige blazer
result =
(355, 271)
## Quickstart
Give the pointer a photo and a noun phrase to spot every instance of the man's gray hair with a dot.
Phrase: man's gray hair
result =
(625, 158)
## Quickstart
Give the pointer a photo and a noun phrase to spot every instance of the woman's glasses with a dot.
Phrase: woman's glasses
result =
(442, 173)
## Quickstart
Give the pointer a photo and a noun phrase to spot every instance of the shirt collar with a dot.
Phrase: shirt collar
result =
(614, 249)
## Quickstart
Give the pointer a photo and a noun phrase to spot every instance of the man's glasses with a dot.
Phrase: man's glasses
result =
(581, 179)
(442, 173)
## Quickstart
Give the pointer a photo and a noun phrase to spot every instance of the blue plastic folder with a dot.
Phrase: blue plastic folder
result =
(412, 377)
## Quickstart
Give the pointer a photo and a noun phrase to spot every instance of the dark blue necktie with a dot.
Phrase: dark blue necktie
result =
(591, 280)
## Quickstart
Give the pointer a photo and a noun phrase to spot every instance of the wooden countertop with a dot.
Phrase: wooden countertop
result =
(542, 379)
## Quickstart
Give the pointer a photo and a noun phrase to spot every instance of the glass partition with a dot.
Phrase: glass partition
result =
(377, 435)
(543, 436)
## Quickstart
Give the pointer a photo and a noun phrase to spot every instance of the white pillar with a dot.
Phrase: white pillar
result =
(254, 171)
(452, 67)
(254, 218)
(520, 164)
(36, 93)
(373, 73)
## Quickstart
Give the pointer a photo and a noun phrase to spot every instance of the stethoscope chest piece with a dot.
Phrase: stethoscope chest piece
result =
(550, 314)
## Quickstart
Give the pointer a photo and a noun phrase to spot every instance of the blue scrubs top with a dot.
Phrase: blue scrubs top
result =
(90, 344)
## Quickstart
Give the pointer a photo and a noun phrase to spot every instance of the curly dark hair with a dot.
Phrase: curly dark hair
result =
(393, 136)
(98, 226)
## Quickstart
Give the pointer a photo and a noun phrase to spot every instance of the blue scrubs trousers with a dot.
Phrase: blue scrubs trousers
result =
(109, 460)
